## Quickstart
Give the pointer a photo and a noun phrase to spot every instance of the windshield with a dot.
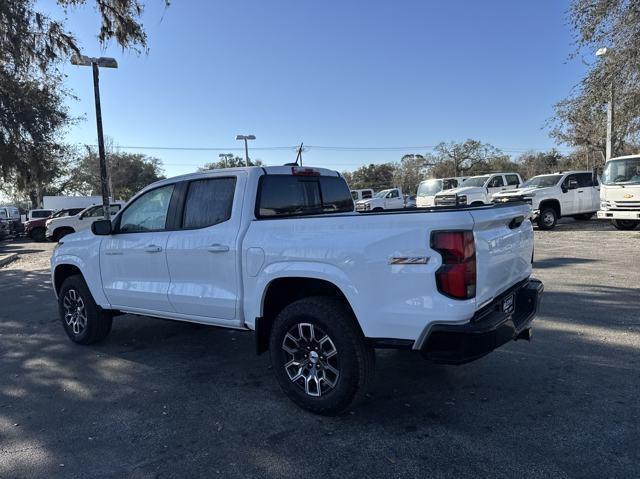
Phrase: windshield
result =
(475, 181)
(625, 171)
(543, 181)
(429, 188)
(381, 194)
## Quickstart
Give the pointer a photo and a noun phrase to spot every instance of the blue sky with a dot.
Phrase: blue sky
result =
(331, 73)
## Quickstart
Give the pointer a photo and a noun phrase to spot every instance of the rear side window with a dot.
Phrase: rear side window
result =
(585, 180)
(208, 202)
(287, 195)
(367, 194)
(512, 180)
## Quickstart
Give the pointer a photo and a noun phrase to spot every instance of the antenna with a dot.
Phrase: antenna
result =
(299, 157)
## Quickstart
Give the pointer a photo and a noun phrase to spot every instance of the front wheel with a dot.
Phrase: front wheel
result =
(82, 319)
(625, 225)
(319, 355)
(548, 219)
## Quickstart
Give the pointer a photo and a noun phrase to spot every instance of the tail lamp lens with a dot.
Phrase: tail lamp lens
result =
(456, 277)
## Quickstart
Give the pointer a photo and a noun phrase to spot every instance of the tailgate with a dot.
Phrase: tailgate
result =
(504, 246)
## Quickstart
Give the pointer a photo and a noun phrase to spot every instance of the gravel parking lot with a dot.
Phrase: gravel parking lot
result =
(168, 399)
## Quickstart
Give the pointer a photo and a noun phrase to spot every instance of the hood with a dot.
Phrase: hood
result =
(367, 201)
(464, 190)
(522, 191)
(621, 193)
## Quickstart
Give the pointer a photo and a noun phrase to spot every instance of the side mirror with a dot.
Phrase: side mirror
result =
(101, 227)
(572, 184)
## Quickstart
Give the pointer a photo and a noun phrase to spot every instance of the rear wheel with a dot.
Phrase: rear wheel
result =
(583, 217)
(625, 225)
(548, 219)
(82, 319)
(38, 234)
(319, 355)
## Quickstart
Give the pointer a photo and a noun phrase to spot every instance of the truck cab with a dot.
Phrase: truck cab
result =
(620, 192)
(428, 189)
(390, 199)
(478, 190)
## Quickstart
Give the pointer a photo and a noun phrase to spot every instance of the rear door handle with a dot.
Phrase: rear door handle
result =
(152, 248)
(218, 248)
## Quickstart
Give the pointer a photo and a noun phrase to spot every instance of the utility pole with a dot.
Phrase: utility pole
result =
(95, 63)
(610, 118)
(603, 52)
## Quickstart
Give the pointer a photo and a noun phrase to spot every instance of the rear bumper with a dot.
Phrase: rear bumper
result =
(619, 214)
(489, 328)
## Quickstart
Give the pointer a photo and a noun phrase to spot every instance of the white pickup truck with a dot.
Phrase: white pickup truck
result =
(478, 190)
(60, 226)
(620, 193)
(390, 199)
(570, 193)
(280, 251)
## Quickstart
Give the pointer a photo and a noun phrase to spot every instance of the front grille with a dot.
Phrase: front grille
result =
(446, 200)
(625, 205)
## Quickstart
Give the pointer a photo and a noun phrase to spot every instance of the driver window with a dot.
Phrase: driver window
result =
(147, 213)
(393, 194)
(94, 212)
(496, 182)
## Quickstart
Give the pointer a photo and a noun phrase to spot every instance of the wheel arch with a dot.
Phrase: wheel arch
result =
(62, 272)
(284, 290)
(552, 203)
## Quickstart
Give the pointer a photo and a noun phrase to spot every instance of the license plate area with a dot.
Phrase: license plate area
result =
(508, 304)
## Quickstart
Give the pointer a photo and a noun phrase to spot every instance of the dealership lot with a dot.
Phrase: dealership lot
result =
(166, 399)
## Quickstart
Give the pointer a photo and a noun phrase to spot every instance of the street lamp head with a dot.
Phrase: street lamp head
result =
(106, 62)
(102, 62)
(81, 60)
(601, 52)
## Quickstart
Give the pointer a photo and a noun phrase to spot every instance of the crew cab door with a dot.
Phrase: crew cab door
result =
(393, 200)
(588, 193)
(495, 185)
(133, 264)
(202, 254)
(570, 203)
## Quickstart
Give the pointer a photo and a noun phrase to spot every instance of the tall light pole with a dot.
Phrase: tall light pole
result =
(95, 63)
(602, 52)
(246, 147)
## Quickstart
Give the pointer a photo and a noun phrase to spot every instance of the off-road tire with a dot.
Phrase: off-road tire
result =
(547, 219)
(625, 225)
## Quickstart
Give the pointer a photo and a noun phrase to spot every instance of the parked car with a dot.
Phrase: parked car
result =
(409, 201)
(478, 190)
(570, 193)
(428, 189)
(389, 199)
(620, 193)
(5, 228)
(58, 228)
(11, 215)
(280, 251)
(39, 214)
(36, 229)
(61, 202)
(364, 194)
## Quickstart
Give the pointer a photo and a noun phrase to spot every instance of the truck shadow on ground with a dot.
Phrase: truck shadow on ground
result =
(559, 262)
(160, 393)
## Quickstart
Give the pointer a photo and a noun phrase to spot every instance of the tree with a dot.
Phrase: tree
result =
(468, 158)
(32, 111)
(130, 172)
(410, 172)
(580, 119)
(229, 160)
(532, 163)
(377, 177)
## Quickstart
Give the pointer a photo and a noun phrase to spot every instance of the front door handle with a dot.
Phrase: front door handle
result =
(218, 248)
(152, 248)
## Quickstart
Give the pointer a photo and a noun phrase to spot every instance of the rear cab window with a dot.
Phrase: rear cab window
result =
(290, 195)
(512, 180)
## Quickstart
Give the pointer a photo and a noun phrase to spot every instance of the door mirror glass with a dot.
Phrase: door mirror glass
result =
(101, 227)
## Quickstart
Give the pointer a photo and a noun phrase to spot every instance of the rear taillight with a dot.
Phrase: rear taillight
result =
(456, 277)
